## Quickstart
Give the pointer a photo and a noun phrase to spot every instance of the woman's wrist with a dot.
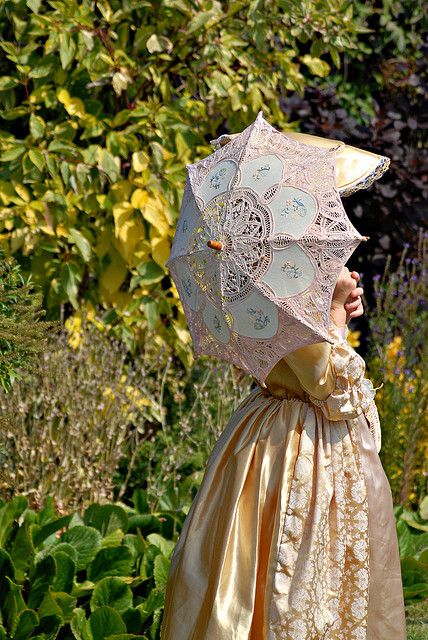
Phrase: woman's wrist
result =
(338, 315)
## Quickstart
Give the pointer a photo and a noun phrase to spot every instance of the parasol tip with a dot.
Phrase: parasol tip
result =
(215, 244)
(365, 238)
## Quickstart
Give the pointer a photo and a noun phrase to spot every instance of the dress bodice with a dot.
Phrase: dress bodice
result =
(330, 376)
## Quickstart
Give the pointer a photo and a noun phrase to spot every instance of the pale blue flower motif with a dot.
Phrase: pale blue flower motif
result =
(215, 180)
(294, 206)
(260, 320)
(187, 286)
(216, 323)
(291, 270)
(261, 172)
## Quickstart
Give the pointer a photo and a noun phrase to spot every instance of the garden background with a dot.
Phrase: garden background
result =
(106, 418)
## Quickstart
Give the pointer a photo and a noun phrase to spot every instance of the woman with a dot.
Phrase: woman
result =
(291, 535)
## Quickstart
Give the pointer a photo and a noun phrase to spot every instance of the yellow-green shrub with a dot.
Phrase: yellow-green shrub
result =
(103, 104)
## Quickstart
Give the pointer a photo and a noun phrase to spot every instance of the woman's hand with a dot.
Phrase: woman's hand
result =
(354, 306)
(346, 302)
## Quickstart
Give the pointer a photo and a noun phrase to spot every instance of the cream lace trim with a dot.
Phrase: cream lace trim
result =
(321, 572)
(354, 394)
(364, 183)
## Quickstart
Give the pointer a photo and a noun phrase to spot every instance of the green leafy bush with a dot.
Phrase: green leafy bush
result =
(103, 104)
(412, 530)
(23, 335)
(101, 573)
(98, 574)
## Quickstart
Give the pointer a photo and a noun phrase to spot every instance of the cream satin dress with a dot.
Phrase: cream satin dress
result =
(291, 535)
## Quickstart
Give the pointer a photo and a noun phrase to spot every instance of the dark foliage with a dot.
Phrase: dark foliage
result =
(392, 210)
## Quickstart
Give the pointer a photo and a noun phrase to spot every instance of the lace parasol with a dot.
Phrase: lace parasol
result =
(260, 241)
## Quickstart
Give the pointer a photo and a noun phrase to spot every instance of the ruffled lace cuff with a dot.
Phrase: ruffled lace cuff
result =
(353, 393)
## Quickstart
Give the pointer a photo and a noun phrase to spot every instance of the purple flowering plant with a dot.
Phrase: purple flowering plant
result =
(397, 357)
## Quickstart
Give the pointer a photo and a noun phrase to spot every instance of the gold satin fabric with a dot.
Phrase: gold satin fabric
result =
(291, 535)
(352, 164)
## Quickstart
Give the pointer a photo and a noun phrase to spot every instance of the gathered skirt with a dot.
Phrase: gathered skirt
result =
(291, 535)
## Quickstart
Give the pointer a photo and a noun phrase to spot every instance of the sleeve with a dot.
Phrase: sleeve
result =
(333, 376)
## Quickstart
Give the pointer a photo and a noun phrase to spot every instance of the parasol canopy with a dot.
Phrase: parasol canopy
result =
(260, 241)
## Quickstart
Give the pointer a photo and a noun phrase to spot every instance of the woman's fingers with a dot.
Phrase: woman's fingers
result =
(358, 312)
(355, 293)
(354, 306)
(351, 306)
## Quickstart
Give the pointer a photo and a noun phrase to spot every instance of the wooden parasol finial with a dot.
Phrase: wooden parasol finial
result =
(215, 244)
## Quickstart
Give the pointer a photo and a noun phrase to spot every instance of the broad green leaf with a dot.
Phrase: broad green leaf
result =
(61, 547)
(67, 48)
(70, 278)
(86, 541)
(139, 500)
(105, 621)
(37, 158)
(8, 82)
(161, 571)
(44, 576)
(34, 5)
(49, 627)
(13, 153)
(109, 165)
(65, 571)
(316, 66)
(106, 518)
(8, 513)
(112, 561)
(113, 592)
(57, 603)
(82, 244)
(80, 625)
(113, 539)
(40, 534)
(12, 602)
(49, 607)
(159, 43)
(413, 572)
(22, 549)
(154, 601)
(150, 273)
(418, 590)
(37, 126)
(166, 546)
(151, 311)
(25, 622)
(42, 70)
